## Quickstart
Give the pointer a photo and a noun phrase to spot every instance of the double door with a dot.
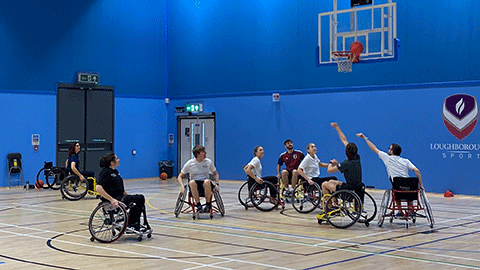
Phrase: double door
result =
(192, 131)
(85, 115)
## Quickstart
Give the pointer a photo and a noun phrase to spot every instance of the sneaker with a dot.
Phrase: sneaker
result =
(399, 214)
(199, 208)
(207, 208)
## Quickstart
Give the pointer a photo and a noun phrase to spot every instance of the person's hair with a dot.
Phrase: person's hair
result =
(351, 150)
(255, 150)
(197, 150)
(396, 149)
(287, 141)
(71, 148)
(106, 160)
(308, 145)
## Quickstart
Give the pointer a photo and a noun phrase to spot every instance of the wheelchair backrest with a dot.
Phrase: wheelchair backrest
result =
(405, 183)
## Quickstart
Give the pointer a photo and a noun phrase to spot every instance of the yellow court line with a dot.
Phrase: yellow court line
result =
(147, 201)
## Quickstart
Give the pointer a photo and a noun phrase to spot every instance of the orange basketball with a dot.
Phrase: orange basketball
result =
(356, 48)
(163, 176)
(39, 184)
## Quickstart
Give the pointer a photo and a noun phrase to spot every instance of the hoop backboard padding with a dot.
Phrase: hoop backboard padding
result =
(375, 26)
(344, 60)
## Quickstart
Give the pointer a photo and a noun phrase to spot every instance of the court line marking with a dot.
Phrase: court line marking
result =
(223, 259)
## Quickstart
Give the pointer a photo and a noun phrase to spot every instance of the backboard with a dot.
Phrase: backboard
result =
(375, 26)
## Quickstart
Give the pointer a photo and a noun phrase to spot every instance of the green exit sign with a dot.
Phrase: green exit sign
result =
(87, 77)
(194, 107)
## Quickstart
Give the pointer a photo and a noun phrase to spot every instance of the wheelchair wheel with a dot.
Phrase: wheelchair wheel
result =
(343, 209)
(243, 196)
(180, 201)
(54, 178)
(426, 206)
(261, 196)
(41, 176)
(106, 223)
(369, 209)
(384, 207)
(73, 189)
(305, 197)
(219, 201)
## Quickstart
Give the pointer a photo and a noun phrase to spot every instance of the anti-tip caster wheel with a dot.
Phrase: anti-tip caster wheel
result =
(139, 238)
(92, 239)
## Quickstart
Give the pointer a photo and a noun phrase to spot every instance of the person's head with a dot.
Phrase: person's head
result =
(258, 151)
(311, 148)
(74, 148)
(395, 149)
(198, 151)
(351, 150)
(109, 160)
(288, 144)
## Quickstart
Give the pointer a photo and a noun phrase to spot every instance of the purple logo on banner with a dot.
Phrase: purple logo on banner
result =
(460, 114)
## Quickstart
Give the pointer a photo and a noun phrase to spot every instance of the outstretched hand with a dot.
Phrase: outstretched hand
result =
(334, 124)
(361, 135)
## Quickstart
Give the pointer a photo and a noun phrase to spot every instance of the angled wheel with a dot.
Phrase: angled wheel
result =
(369, 209)
(73, 188)
(106, 223)
(427, 208)
(41, 175)
(384, 207)
(55, 177)
(305, 197)
(219, 201)
(343, 209)
(179, 203)
(262, 196)
(243, 196)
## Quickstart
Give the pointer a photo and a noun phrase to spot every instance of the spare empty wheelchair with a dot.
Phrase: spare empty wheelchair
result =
(404, 201)
(107, 223)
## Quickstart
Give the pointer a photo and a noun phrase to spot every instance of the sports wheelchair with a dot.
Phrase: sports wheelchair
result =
(217, 202)
(345, 207)
(260, 196)
(107, 223)
(51, 176)
(73, 189)
(412, 199)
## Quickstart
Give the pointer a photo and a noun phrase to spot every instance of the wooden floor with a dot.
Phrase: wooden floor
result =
(39, 230)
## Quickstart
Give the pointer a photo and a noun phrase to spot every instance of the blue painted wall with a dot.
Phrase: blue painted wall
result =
(238, 46)
(411, 117)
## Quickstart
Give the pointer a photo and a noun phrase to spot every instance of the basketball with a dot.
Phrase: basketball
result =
(163, 176)
(356, 48)
(39, 184)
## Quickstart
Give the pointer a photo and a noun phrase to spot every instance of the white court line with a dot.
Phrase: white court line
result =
(135, 253)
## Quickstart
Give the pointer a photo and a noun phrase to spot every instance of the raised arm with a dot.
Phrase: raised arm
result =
(342, 136)
(369, 143)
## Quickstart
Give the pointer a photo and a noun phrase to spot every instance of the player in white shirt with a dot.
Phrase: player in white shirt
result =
(310, 167)
(396, 165)
(199, 169)
(254, 170)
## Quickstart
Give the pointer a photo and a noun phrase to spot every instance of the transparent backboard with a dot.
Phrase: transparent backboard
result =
(375, 26)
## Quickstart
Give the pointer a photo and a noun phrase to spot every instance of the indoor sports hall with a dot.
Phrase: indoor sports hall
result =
(150, 81)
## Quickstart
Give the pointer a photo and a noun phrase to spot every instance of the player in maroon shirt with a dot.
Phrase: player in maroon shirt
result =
(292, 159)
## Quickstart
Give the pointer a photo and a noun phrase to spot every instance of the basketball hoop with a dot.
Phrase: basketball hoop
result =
(344, 60)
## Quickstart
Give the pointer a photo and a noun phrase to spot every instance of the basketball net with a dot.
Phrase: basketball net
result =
(344, 61)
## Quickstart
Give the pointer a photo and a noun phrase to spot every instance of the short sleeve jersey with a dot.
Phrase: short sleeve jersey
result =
(396, 166)
(352, 170)
(291, 160)
(257, 167)
(111, 182)
(310, 166)
(73, 158)
(198, 170)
